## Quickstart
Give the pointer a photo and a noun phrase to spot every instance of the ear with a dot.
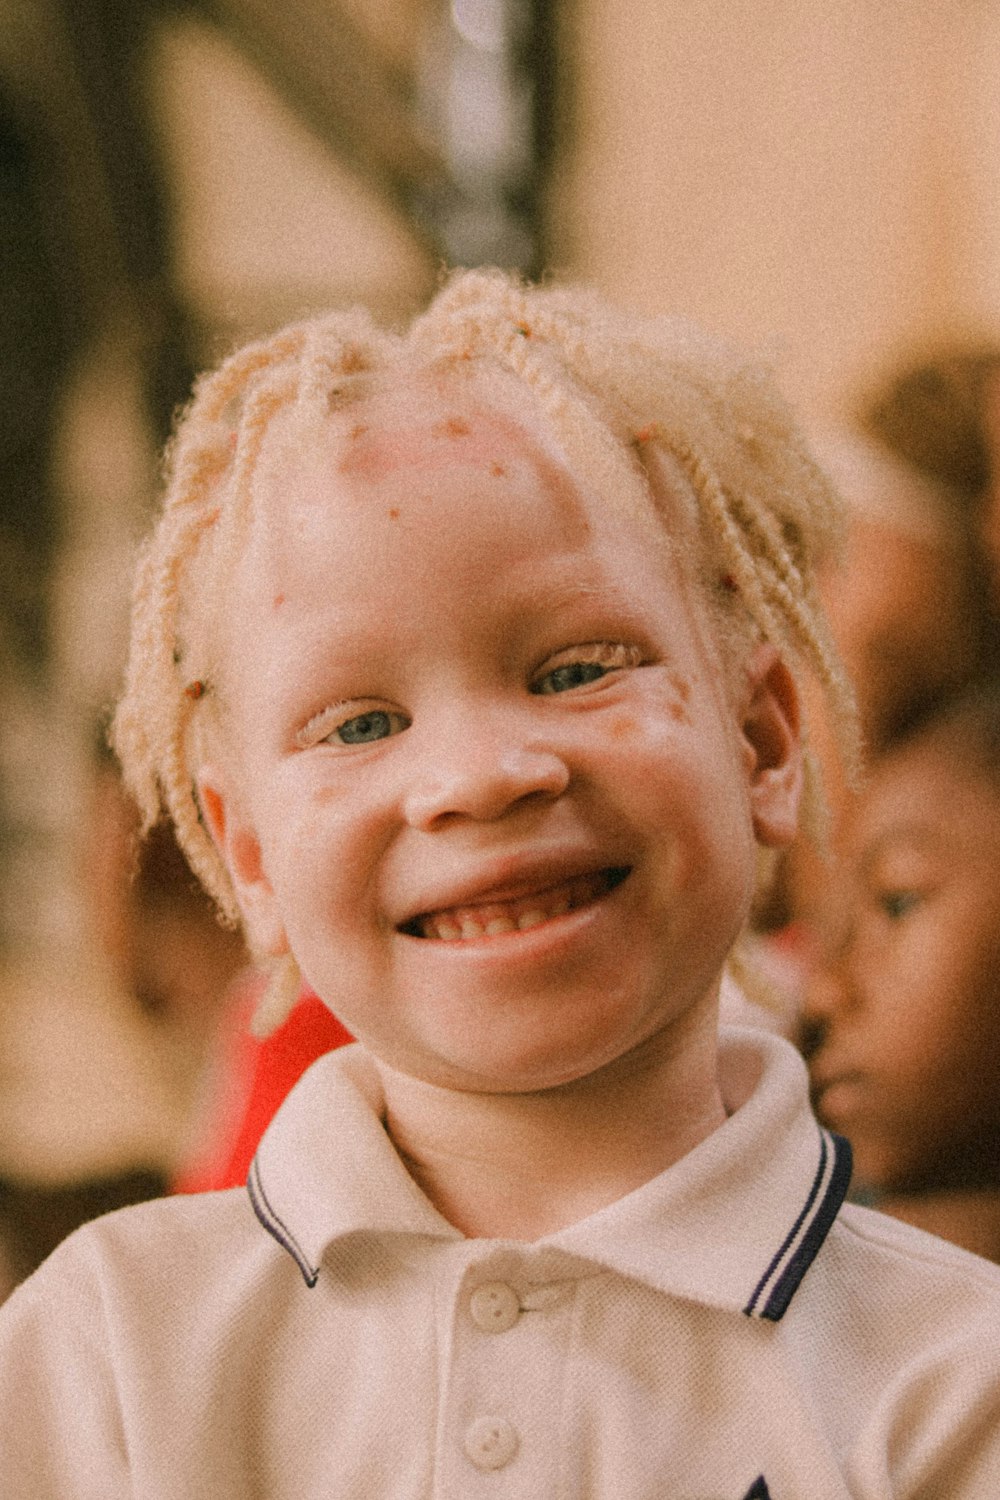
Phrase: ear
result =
(770, 727)
(237, 842)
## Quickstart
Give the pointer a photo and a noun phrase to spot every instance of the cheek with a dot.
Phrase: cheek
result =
(327, 796)
(679, 699)
(303, 853)
(624, 727)
(324, 858)
(926, 1010)
(687, 790)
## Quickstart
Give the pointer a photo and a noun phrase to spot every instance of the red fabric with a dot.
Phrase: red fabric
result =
(258, 1075)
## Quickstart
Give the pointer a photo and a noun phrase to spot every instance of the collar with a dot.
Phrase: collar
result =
(735, 1224)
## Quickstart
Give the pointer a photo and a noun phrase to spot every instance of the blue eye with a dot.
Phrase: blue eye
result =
(573, 674)
(579, 665)
(364, 729)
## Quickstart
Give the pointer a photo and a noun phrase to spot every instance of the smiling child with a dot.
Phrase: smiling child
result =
(466, 662)
(904, 1008)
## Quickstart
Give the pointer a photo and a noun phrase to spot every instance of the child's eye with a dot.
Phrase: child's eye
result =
(334, 726)
(896, 904)
(583, 664)
(363, 729)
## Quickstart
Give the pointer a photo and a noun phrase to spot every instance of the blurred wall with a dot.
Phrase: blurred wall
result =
(820, 179)
(823, 176)
(267, 223)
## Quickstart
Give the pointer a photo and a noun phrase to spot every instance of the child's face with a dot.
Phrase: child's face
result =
(907, 998)
(488, 786)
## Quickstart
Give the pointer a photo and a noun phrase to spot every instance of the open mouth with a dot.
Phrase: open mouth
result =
(458, 924)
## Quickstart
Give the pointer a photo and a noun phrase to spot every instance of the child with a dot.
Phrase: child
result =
(905, 1004)
(465, 663)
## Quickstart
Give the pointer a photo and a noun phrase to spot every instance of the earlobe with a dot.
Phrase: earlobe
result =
(772, 737)
(239, 846)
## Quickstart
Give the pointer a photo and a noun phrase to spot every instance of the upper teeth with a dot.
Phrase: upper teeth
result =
(496, 917)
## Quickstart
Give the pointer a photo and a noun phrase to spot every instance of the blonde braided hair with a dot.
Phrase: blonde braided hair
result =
(614, 388)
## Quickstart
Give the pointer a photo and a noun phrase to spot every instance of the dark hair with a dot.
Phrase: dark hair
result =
(967, 720)
(931, 415)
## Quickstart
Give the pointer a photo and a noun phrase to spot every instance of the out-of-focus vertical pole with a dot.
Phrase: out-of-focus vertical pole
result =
(486, 88)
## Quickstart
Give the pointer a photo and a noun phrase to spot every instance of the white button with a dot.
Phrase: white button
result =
(491, 1442)
(494, 1306)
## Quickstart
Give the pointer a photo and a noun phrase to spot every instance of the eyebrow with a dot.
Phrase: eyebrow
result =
(566, 592)
(917, 834)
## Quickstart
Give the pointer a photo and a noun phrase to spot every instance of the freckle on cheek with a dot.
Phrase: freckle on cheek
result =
(498, 470)
(680, 713)
(279, 600)
(681, 686)
(324, 795)
(623, 728)
(394, 514)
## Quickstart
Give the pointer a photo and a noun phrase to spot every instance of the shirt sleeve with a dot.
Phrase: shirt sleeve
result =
(935, 1435)
(61, 1435)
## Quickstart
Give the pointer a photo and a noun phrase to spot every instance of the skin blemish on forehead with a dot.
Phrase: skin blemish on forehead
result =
(390, 445)
(358, 431)
(394, 513)
(278, 600)
(498, 470)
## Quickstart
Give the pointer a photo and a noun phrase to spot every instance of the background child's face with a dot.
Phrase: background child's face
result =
(490, 790)
(907, 999)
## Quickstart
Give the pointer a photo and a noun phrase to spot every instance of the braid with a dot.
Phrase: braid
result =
(759, 565)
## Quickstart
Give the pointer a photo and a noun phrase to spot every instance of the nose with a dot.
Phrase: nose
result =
(483, 773)
(822, 1003)
(829, 990)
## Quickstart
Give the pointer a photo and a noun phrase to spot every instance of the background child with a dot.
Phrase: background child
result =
(465, 663)
(905, 1006)
(905, 604)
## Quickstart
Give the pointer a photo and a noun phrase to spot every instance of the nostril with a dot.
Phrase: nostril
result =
(811, 1035)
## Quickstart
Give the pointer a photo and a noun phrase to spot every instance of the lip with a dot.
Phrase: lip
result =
(835, 1091)
(511, 880)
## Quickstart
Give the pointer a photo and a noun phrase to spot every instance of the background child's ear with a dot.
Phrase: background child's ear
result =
(240, 848)
(771, 726)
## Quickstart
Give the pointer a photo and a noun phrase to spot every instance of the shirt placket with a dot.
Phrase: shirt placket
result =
(509, 1321)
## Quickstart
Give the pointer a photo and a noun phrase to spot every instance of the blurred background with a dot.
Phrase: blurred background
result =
(821, 182)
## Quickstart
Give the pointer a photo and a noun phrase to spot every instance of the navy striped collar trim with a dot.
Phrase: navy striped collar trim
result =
(276, 1226)
(779, 1283)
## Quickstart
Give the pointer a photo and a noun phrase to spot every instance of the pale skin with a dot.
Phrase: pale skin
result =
(483, 775)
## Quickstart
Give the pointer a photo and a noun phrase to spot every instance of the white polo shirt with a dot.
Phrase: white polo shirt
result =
(722, 1333)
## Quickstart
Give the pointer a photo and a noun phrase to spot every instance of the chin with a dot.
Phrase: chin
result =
(519, 1070)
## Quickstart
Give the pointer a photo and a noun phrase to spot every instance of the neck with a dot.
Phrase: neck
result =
(968, 1217)
(519, 1166)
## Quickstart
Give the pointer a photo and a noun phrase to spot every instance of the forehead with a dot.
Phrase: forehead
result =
(928, 794)
(434, 450)
(422, 425)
